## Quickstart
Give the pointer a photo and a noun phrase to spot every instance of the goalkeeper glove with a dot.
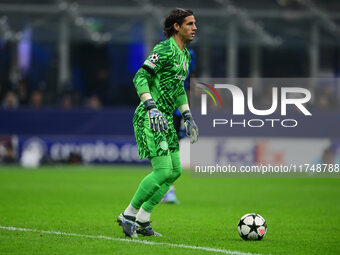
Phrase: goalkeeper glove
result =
(190, 126)
(157, 120)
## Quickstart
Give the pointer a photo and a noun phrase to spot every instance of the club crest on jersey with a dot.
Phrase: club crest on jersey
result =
(154, 57)
(184, 66)
(164, 145)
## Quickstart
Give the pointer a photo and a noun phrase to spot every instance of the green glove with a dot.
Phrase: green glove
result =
(190, 126)
(157, 121)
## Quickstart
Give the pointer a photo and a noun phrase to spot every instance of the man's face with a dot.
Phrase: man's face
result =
(188, 28)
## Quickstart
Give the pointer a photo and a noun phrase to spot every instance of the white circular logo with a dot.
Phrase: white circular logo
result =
(35, 144)
(164, 145)
(154, 57)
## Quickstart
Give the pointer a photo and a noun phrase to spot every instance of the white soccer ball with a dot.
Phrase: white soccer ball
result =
(252, 226)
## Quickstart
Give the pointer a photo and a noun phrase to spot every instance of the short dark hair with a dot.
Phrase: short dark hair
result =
(176, 15)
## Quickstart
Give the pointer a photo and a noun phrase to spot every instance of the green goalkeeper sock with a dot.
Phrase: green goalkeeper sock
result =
(150, 204)
(151, 183)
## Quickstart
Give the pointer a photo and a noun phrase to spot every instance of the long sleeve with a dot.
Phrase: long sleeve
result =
(156, 62)
(141, 81)
(181, 98)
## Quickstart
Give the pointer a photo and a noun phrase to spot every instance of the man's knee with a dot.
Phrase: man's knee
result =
(162, 168)
(164, 175)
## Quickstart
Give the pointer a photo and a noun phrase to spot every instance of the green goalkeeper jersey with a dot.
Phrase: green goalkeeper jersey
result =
(162, 75)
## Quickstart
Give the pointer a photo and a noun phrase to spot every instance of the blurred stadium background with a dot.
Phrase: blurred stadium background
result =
(66, 69)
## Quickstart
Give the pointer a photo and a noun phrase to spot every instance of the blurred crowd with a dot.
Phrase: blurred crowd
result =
(326, 98)
(7, 151)
(13, 96)
(17, 95)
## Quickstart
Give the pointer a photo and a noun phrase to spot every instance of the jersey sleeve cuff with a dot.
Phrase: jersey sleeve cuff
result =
(182, 99)
(142, 90)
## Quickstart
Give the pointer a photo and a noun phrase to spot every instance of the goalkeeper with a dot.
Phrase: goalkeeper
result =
(170, 197)
(159, 84)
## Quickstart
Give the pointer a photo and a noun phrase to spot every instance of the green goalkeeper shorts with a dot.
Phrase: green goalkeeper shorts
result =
(151, 144)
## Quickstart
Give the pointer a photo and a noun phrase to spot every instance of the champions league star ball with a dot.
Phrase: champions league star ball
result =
(154, 57)
(252, 226)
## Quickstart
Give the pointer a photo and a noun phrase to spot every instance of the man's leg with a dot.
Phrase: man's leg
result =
(149, 145)
(151, 183)
(153, 145)
(143, 225)
(170, 196)
(162, 166)
(149, 205)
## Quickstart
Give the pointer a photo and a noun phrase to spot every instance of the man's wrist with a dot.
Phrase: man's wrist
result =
(186, 115)
(150, 104)
(184, 107)
(145, 96)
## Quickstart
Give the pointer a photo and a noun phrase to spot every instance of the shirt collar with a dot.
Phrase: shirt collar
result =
(174, 42)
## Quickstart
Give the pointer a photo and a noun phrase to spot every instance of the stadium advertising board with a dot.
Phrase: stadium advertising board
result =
(77, 149)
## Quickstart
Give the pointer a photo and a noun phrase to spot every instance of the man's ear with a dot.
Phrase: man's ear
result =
(176, 26)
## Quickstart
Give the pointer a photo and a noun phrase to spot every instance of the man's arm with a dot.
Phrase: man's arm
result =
(155, 63)
(143, 81)
(189, 123)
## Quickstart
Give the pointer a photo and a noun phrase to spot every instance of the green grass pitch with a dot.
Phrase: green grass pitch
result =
(303, 215)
